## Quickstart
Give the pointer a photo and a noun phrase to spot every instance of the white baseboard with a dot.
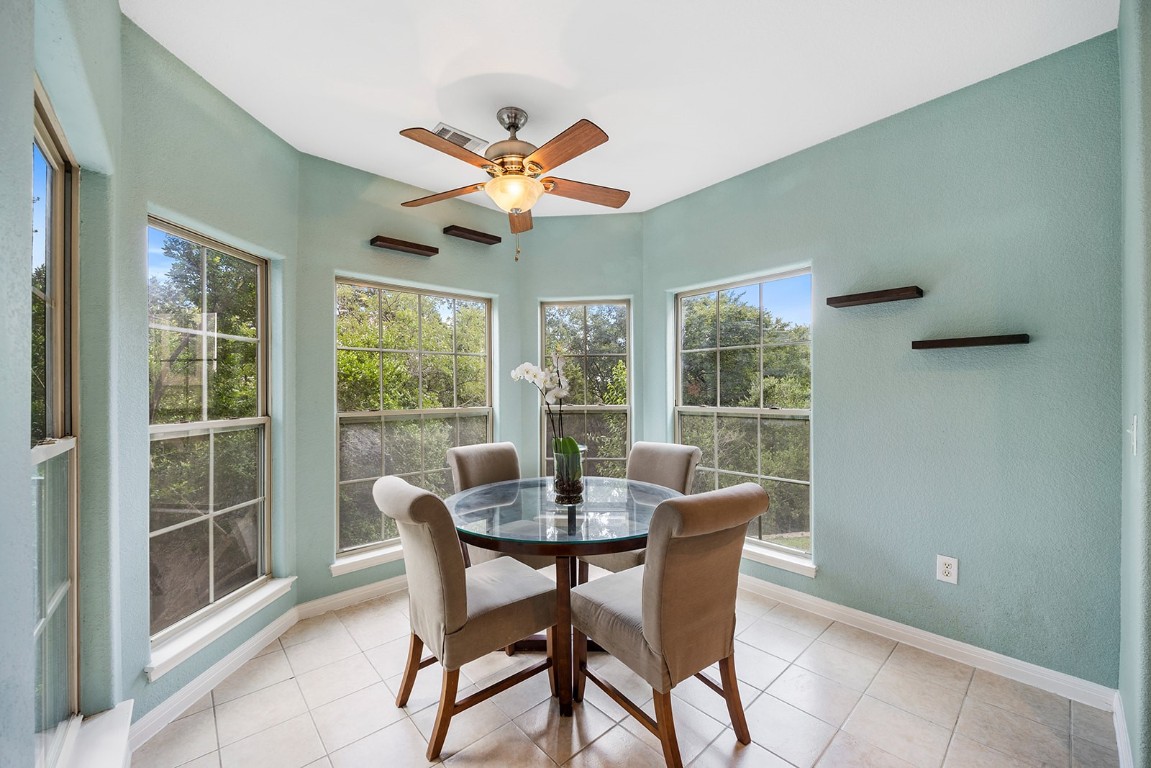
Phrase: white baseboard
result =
(176, 704)
(1122, 737)
(352, 596)
(1083, 691)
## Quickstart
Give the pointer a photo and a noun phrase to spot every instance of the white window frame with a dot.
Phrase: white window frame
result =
(184, 637)
(754, 549)
(545, 360)
(387, 550)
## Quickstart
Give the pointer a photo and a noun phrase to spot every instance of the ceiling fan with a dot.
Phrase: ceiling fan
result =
(515, 167)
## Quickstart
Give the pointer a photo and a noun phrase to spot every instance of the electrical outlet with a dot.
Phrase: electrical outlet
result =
(947, 569)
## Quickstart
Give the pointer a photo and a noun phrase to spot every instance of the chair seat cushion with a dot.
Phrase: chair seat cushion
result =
(617, 561)
(507, 601)
(610, 611)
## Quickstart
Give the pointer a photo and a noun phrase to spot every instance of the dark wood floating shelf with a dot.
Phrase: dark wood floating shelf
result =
(972, 341)
(876, 297)
(472, 234)
(392, 244)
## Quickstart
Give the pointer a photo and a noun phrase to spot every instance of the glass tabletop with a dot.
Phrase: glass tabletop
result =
(524, 511)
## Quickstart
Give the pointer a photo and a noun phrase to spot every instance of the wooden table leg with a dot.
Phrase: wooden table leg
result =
(563, 641)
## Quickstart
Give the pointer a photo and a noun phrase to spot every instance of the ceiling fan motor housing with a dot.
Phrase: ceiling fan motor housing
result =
(509, 154)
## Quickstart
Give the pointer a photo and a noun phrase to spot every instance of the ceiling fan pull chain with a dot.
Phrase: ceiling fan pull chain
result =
(517, 246)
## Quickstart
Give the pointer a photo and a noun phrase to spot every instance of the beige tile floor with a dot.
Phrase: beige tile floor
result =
(817, 693)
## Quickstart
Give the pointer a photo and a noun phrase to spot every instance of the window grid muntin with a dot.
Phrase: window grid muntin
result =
(455, 412)
(718, 410)
(211, 427)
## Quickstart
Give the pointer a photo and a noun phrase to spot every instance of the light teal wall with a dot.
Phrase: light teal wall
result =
(1135, 641)
(341, 209)
(78, 60)
(17, 526)
(571, 258)
(1002, 202)
(195, 158)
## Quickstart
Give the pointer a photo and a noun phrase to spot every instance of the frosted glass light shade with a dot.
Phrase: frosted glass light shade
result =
(514, 193)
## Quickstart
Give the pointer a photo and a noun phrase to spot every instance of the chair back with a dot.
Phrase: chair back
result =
(481, 464)
(694, 545)
(668, 464)
(437, 589)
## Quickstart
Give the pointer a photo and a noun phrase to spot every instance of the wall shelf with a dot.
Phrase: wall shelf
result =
(392, 244)
(972, 341)
(471, 234)
(876, 297)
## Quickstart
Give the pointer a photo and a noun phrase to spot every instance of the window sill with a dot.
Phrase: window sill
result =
(101, 741)
(777, 559)
(369, 559)
(170, 653)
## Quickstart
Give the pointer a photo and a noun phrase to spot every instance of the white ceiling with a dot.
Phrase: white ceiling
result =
(691, 93)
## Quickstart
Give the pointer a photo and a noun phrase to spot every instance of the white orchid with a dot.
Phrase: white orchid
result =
(552, 384)
(528, 371)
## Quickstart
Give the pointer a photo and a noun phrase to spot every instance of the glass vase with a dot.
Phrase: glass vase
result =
(569, 478)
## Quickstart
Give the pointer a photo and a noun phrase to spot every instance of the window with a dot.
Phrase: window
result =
(593, 338)
(744, 396)
(208, 410)
(53, 476)
(413, 379)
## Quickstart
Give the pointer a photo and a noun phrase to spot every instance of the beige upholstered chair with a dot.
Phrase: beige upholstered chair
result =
(460, 614)
(675, 616)
(481, 464)
(668, 464)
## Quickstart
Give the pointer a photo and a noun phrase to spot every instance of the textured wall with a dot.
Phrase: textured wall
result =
(1002, 202)
(192, 156)
(78, 61)
(1135, 644)
(17, 526)
(341, 209)
(572, 258)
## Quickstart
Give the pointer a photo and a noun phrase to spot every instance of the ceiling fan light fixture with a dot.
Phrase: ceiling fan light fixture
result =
(514, 193)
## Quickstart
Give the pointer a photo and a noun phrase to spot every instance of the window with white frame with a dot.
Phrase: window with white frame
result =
(413, 379)
(53, 465)
(743, 396)
(208, 411)
(593, 338)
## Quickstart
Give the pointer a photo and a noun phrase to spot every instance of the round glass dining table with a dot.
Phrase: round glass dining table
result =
(521, 517)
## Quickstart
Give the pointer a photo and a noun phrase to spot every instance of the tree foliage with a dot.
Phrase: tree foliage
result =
(396, 351)
(203, 308)
(736, 354)
(40, 348)
(203, 352)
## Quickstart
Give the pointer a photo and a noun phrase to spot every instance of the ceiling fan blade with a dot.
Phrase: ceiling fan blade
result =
(443, 195)
(429, 139)
(589, 193)
(573, 142)
(521, 222)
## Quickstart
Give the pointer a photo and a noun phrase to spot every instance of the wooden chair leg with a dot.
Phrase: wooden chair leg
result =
(444, 713)
(731, 696)
(551, 638)
(415, 650)
(666, 724)
(510, 650)
(579, 663)
(584, 572)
